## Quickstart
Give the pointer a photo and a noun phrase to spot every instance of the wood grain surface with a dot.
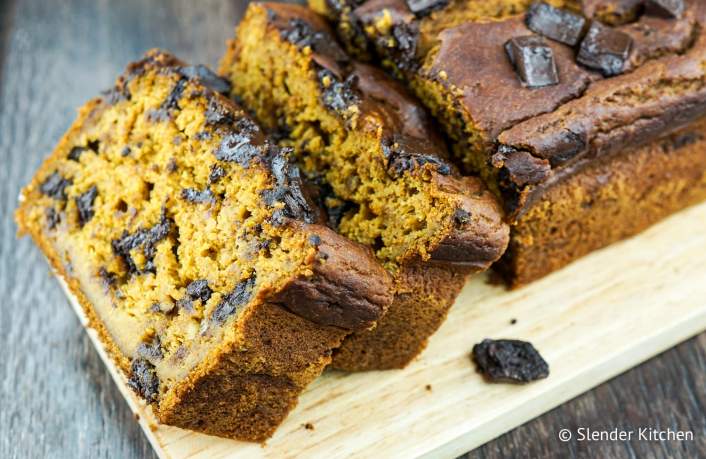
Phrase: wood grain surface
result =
(56, 397)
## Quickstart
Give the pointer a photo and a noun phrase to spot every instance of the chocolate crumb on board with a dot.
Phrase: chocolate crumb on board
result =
(428, 387)
(508, 360)
(513, 321)
(309, 426)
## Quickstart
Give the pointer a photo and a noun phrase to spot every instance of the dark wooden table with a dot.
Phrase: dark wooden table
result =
(57, 399)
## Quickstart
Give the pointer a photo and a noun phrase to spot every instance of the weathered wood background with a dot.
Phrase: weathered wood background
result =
(56, 398)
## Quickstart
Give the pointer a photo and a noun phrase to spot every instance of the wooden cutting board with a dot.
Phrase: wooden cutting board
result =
(591, 321)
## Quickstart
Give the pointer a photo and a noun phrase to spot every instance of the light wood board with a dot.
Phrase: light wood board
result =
(591, 321)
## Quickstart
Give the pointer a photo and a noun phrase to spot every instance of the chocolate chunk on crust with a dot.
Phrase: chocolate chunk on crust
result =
(533, 60)
(665, 8)
(557, 24)
(605, 49)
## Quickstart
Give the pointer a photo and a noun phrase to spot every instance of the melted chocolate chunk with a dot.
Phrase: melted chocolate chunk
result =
(186, 304)
(54, 186)
(402, 156)
(147, 239)
(520, 166)
(288, 189)
(301, 34)
(163, 113)
(567, 145)
(315, 240)
(508, 360)
(237, 148)
(423, 7)
(143, 380)
(665, 8)
(206, 77)
(75, 153)
(52, 217)
(216, 174)
(199, 290)
(337, 95)
(197, 196)
(605, 49)
(533, 60)
(125, 151)
(217, 113)
(152, 350)
(462, 217)
(229, 304)
(108, 279)
(203, 135)
(405, 49)
(118, 93)
(84, 204)
(557, 24)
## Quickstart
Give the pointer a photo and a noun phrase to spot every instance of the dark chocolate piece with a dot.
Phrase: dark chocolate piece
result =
(199, 289)
(216, 174)
(508, 360)
(301, 34)
(197, 196)
(229, 304)
(206, 77)
(237, 148)
(337, 95)
(605, 49)
(54, 186)
(462, 217)
(143, 380)
(75, 153)
(125, 151)
(152, 350)
(289, 190)
(406, 154)
(163, 113)
(84, 204)
(423, 7)
(217, 113)
(145, 238)
(557, 24)
(52, 217)
(665, 8)
(533, 60)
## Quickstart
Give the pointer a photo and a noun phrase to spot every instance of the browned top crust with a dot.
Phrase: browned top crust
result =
(532, 138)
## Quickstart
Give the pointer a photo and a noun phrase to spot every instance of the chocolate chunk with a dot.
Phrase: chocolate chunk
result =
(75, 153)
(84, 204)
(125, 151)
(163, 113)
(565, 146)
(315, 240)
(229, 304)
(143, 380)
(288, 189)
(196, 196)
(533, 60)
(199, 290)
(237, 148)
(461, 217)
(218, 113)
(216, 174)
(337, 95)
(557, 24)
(147, 239)
(507, 360)
(52, 217)
(301, 34)
(54, 186)
(108, 279)
(605, 49)
(665, 8)
(186, 304)
(203, 135)
(520, 167)
(206, 77)
(423, 7)
(407, 154)
(152, 350)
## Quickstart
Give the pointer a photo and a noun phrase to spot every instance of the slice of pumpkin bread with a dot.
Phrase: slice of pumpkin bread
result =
(381, 167)
(192, 245)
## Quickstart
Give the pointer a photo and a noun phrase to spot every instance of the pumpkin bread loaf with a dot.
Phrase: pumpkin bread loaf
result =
(603, 141)
(195, 251)
(381, 168)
